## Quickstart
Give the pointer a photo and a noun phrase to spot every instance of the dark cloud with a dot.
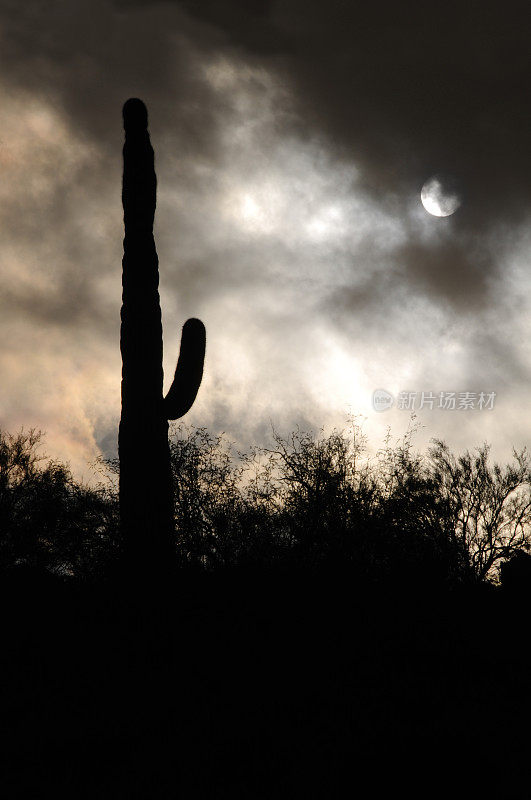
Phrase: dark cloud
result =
(292, 139)
(403, 90)
(89, 57)
(447, 272)
(407, 90)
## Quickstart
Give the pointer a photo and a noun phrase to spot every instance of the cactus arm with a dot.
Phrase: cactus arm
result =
(189, 370)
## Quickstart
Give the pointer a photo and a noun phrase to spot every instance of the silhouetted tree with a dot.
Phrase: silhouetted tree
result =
(489, 507)
(307, 502)
(146, 506)
(310, 501)
(219, 522)
(207, 497)
(318, 495)
(48, 520)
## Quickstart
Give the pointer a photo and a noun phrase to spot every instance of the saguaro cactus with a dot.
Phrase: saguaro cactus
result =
(146, 502)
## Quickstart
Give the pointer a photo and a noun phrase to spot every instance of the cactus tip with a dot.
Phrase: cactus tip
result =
(135, 114)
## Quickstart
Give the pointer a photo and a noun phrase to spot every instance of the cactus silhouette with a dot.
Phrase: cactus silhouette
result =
(146, 502)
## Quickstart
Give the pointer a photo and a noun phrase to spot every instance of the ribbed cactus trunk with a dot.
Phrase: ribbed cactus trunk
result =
(146, 502)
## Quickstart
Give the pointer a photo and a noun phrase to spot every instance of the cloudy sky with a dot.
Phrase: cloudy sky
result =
(292, 140)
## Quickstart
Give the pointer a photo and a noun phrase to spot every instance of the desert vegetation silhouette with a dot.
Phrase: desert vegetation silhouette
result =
(309, 502)
(327, 622)
(145, 499)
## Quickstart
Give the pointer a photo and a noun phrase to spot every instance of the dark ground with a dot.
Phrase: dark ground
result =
(249, 685)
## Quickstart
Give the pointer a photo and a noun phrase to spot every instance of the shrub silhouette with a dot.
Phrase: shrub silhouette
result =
(308, 502)
(489, 506)
(49, 521)
(146, 497)
(314, 501)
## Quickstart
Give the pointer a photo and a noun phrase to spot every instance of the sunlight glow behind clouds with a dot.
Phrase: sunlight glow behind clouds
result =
(264, 233)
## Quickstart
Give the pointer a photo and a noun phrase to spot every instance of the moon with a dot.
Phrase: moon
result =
(440, 196)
